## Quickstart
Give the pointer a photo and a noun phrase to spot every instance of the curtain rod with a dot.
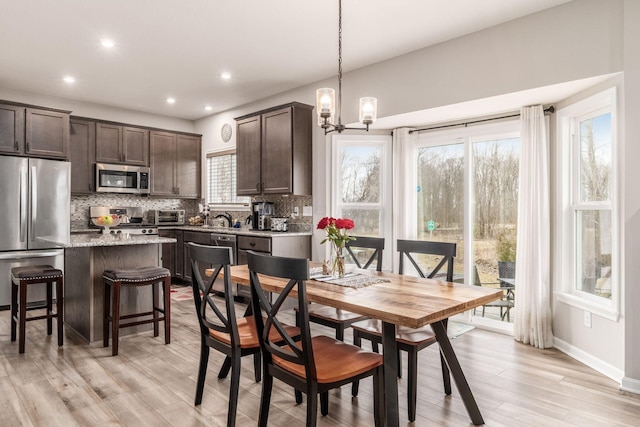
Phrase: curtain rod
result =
(551, 109)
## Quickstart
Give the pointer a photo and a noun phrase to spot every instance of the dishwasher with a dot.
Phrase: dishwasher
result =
(227, 241)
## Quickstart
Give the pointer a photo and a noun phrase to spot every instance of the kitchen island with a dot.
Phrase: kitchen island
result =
(86, 257)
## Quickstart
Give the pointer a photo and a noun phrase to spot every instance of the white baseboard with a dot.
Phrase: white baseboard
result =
(631, 385)
(593, 362)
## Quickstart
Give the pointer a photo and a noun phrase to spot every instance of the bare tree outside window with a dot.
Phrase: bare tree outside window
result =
(594, 225)
(361, 187)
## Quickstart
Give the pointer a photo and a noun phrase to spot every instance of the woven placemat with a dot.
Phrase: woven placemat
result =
(350, 280)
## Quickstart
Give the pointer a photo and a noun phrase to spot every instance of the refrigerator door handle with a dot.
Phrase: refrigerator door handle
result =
(23, 204)
(34, 200)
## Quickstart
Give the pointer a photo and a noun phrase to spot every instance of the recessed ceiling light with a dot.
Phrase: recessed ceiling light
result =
(208, 107)
(171, 100)
(225, 75)
(108, 43)
(69, 79)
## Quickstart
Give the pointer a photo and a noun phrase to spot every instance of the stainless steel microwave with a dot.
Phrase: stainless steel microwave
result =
(122, 179)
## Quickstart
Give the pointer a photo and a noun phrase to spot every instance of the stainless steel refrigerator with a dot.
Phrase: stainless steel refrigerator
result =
(34, 211)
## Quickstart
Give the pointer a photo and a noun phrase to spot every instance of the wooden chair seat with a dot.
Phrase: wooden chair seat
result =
(248, 333)
(334, 360)
(423, 336)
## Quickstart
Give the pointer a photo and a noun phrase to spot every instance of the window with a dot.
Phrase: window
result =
(221, 180)
(361, 185)
(588, 205)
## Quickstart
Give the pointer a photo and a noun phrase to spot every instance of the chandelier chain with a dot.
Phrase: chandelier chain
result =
(339, 109)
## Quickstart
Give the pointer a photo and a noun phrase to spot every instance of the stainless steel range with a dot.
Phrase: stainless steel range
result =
(131, 219)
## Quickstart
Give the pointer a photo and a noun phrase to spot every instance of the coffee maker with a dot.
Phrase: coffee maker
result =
(262, 212)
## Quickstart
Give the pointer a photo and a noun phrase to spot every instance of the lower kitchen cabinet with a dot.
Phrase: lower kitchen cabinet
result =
(172, 253)
(175, 256)
(195, 237)
(281, 245)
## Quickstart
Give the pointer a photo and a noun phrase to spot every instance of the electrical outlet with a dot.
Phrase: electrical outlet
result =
(587, 319)
(296, 211)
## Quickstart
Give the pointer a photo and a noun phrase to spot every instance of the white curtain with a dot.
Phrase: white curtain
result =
(532, 324)
(404, 188)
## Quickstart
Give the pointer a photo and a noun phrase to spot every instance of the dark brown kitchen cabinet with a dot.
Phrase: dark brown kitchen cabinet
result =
(172, 253)
(281, 245)
(273, 149)
(82, 143)
(11, 129)
(175, 164)
(25, 130)
(122, 144)
(195, 237)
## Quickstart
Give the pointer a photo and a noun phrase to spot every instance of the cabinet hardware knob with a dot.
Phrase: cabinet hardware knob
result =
(16, 146)
(252, 243)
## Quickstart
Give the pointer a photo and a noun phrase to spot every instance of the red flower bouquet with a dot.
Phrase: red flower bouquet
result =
(336, 229)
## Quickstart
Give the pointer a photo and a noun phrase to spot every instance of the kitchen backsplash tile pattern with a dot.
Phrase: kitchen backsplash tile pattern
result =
(81, 204)
(284, 206)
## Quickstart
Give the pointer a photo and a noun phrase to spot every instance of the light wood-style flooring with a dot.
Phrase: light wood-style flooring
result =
(150, 384)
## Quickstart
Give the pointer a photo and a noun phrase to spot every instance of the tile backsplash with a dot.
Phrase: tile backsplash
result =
(284, 207)
(80, 217)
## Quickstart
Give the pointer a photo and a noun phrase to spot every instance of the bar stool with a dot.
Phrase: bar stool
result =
(133, 278)
(21, 278)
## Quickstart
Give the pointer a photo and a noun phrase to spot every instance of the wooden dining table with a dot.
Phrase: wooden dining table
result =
(401, 301)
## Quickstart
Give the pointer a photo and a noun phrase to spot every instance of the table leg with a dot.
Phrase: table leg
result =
(390, 356)
(456, 372)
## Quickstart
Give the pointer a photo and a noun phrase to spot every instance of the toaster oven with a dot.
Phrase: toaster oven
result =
(166, 216)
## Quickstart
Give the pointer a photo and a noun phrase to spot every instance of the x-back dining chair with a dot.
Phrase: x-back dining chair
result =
(339, 319)
(219, 327)
(408, 339)
(316, 364)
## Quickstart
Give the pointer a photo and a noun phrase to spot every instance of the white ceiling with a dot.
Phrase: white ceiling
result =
(179, 48)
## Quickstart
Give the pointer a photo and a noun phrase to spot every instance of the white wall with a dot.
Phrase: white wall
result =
(631, 155)
(98, 111)
(577, 40)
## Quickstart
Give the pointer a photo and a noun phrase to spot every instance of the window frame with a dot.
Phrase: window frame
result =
(570, 204)
(238, 206)
(386, 226)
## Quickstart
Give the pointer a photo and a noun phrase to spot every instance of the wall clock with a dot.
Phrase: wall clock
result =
(225, 132)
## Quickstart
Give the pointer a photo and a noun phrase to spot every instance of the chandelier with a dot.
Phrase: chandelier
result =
(326, 104)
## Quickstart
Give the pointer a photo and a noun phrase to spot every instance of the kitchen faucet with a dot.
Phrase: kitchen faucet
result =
(226, 216)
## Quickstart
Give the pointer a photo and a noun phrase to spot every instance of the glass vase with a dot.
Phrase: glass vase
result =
(337, 263)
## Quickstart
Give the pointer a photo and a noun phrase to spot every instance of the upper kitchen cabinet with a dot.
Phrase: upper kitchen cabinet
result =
(11, 129)
(273, 149)
(122, 144)
(36, 132)
(175, 165)
(82, 142)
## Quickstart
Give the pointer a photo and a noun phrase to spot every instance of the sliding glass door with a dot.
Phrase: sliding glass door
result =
(467, 192)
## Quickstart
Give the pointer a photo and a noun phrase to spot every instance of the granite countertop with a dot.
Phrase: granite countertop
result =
(237, 231)
(94, 239)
